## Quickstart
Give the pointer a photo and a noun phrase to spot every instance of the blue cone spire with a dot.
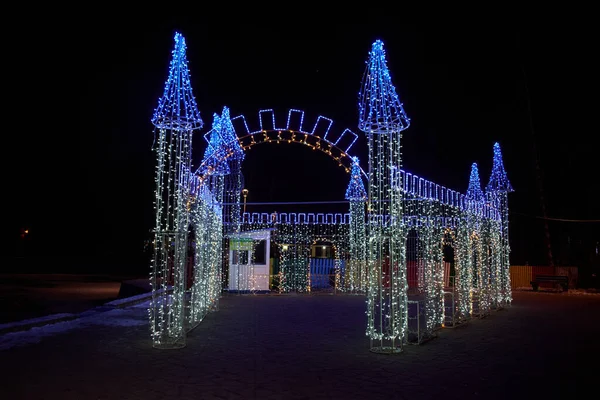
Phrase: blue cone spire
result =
(380, 109)
(356, 189)
(229, 137)
(474, 191)
(215, 155)
(498, 180)
(177, 108)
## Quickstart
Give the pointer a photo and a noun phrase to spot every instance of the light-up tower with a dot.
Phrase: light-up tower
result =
(209, 248)
(382, 119)
(356, 194)
(497, 190)
(175, 118)
(470, 271)
(234, 181)
(232, 186)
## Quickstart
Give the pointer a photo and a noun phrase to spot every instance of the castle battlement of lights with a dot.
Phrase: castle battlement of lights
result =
(424, 257)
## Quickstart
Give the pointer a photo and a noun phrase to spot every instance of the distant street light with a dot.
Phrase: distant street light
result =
(245, 193)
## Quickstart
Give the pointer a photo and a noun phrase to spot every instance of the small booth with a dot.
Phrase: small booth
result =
(249, 267)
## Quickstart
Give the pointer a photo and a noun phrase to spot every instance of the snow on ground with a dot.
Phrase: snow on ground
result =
(31, 321)
(583, 292)
(573, 292)
(131, 316)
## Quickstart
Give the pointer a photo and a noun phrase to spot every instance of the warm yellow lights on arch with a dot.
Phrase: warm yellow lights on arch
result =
(314, 142)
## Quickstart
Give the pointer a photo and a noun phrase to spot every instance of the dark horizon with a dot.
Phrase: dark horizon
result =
(464, 85)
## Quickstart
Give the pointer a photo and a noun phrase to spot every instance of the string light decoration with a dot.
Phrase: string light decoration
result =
(214, 162)
(389, 246)
(498, 179)
(294, 235)
(356, 194)
(467, 242)
(477, 248)
(233, 184)
(382, 119)
(175, 118)
(207, 220)
(380, 109)
(464, 270)
(497, 191)
(474, 197)
(234, 181)
(430, 254)
(208, 225)
(474, 192)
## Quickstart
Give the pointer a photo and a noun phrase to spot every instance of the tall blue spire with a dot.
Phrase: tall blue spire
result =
(474, 191)
(356, 189)
(214, 160)
(177, 108)
(498, 179)
(380, 109)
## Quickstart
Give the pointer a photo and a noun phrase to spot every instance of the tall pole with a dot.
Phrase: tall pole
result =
(538, 170)
(245, 193)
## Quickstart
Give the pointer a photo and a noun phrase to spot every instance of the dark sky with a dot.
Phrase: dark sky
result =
(82, 176)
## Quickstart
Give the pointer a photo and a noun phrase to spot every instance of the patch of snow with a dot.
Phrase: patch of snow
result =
(116, 317)
(36, 334)
(46, 318)
(144, 305)
(583, 292)
(126, 300)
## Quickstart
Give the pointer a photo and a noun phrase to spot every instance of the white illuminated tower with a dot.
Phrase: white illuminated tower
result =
(175, 118)
(497, 190)
(470, 265)
(382, 119)
(215, 168)
(356, 272)
(232, 186)
(234, 180)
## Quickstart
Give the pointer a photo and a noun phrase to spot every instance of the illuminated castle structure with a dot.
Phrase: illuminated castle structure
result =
(423, 255)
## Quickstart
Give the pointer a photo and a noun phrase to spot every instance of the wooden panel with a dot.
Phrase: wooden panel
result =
(520, 276)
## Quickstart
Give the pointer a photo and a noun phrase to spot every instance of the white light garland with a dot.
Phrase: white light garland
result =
(406, 218)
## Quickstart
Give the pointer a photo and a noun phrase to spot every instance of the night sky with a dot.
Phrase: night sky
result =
(82, 175)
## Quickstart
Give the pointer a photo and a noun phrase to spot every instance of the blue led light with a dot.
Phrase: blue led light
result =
(215, 156)
(177, 107)
(356, 189)
(228, 135)
(498, 180)
(474, 192)
(379, 107)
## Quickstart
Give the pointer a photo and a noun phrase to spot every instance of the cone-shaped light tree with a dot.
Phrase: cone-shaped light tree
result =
(474, 192)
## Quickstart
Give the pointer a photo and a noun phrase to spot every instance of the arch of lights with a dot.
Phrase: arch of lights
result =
(319, 137)
(393, 241)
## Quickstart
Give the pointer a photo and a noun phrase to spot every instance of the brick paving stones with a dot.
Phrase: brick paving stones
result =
(309, 347)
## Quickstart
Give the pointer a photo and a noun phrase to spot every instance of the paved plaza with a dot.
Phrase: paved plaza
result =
(309, 347)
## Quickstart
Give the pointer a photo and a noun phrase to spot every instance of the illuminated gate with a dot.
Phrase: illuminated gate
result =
(398, 222)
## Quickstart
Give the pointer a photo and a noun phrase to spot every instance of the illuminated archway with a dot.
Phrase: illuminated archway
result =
(395, 201)
(320, 137)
